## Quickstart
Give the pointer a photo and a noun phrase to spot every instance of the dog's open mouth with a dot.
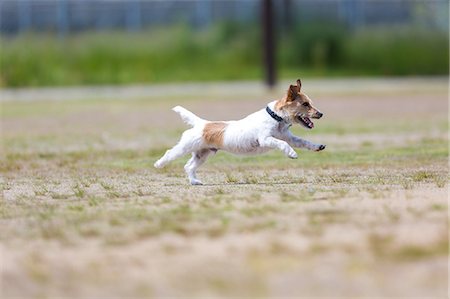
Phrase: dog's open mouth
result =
(305, 121)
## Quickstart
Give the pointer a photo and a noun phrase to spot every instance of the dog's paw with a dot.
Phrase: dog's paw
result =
(195, 182)
(158, 164)
(292, 154)
(320, 148)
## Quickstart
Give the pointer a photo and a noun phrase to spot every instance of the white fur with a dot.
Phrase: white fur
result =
(255, 134)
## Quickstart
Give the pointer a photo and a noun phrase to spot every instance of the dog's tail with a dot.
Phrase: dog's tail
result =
(187, 116)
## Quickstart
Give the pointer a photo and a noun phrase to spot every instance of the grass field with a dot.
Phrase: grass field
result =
(221, 52)
(84, 214)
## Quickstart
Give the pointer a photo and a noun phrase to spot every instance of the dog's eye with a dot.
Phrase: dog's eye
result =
(306, 104)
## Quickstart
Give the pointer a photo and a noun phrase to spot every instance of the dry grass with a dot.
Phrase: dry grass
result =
(84, 214)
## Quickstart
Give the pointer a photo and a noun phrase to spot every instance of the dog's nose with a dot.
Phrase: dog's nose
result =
(319, 114)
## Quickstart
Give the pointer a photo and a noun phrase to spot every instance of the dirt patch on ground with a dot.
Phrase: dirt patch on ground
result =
(362, 244)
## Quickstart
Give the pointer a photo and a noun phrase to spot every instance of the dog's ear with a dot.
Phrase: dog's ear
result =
(292, 92)
(299, 85)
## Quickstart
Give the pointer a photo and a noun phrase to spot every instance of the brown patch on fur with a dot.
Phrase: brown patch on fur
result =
(279, 104)
(213, 133)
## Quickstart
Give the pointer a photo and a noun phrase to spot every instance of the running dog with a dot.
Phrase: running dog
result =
(257, 133)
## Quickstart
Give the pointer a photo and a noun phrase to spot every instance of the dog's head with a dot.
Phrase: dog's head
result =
(298, 106)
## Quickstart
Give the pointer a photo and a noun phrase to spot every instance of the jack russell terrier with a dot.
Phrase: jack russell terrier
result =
(257, 133)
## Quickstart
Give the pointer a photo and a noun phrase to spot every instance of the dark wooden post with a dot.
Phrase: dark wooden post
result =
(268, 42)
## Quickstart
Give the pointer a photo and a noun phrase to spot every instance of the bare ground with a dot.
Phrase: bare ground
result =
(84, 214)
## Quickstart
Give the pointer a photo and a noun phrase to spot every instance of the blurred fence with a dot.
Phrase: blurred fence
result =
(65, 16)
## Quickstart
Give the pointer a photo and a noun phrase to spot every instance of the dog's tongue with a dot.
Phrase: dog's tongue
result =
(306, 121)
(309, 122)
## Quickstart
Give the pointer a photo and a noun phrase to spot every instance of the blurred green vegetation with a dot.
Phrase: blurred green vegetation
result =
(221, 52)
(392, 51)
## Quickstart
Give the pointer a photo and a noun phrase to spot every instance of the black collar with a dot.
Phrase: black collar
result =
(274, 115)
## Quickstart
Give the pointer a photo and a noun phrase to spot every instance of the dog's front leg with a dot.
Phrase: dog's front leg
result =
(302, 143)
(283, 146)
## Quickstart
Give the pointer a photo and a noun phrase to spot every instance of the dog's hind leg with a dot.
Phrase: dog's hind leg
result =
(190, 141)
(198, 158)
